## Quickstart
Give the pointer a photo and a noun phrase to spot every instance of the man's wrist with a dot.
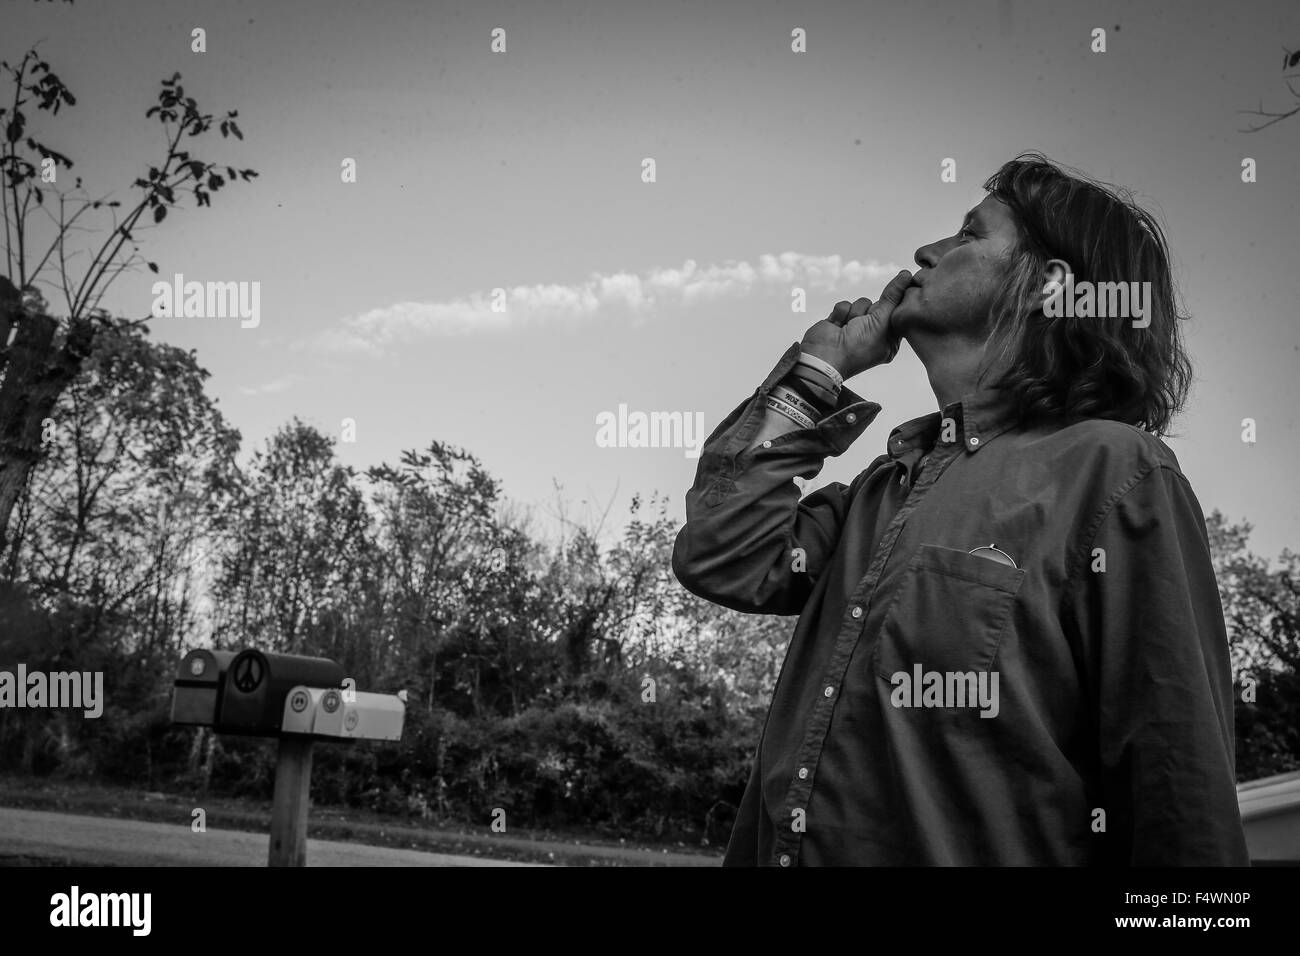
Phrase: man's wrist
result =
(814, 387)
(789, 411)
(821, 367)
(810, 408)
(772, 424)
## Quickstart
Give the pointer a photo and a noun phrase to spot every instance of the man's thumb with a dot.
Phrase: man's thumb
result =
(892, 295)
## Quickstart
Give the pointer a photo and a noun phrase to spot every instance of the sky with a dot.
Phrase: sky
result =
(522, 171)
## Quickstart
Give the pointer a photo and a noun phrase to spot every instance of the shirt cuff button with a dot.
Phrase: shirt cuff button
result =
(785, 859)
(851, 418)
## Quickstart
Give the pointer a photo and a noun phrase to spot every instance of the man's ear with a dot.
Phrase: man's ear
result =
(1055, 274)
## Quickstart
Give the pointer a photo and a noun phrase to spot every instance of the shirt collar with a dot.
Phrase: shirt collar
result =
(975, 420)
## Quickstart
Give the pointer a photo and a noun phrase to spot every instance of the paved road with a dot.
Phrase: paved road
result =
(103, 841)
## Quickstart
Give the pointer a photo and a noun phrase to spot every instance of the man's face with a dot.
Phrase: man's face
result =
(953, 291)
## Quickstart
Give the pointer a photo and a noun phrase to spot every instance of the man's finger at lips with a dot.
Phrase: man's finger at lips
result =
(892, 294)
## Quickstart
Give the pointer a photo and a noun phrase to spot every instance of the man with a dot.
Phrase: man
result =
(1010, 647)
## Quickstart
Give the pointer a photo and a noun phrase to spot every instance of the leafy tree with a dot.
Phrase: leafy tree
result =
(138, 467)
(109, 550)
(40, 354)
(1261, 605)
(297, 544)
(436, 535)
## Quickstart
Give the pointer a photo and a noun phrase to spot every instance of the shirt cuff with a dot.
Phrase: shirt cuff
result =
(832, 435)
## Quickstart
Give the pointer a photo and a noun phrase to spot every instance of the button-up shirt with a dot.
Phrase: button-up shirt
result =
(1061, 697)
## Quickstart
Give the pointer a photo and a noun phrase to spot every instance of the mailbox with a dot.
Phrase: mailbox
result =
(300, 706)
(373, 717)
(325, 713)
(199, 683)
(258, 684)
(328, 718)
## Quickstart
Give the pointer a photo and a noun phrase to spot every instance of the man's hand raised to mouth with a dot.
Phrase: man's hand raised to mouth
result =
(857, 336)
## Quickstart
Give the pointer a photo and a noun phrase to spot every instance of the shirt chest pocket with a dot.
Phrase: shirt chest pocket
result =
(949, 613)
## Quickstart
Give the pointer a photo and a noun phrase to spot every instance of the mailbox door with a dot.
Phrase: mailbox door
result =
(197, 687)
(300, 706)
(329, 715)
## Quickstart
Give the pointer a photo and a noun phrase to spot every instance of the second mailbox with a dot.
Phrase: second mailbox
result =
(257, 684)
(200, 680)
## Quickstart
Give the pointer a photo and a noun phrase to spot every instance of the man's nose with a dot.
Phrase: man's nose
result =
(928, 256)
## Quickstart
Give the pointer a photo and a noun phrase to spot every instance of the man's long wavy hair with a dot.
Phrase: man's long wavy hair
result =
(1070, 368)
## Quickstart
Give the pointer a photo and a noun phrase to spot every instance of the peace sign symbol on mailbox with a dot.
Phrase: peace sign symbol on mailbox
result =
(247, 673)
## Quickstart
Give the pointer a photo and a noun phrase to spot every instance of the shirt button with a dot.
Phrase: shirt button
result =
(974, 442)
(785, 859)
(851, 418)
(857, 611)
(902, 479)
(803, 773)
(829, 691)
(767, 444)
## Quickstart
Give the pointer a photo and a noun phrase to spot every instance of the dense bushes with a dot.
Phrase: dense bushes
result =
(613, 763)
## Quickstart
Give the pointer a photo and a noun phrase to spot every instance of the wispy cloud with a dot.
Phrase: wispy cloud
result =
(270, 388)
(622, 293)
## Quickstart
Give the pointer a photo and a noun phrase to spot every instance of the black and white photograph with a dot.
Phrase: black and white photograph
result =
(652, 436)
